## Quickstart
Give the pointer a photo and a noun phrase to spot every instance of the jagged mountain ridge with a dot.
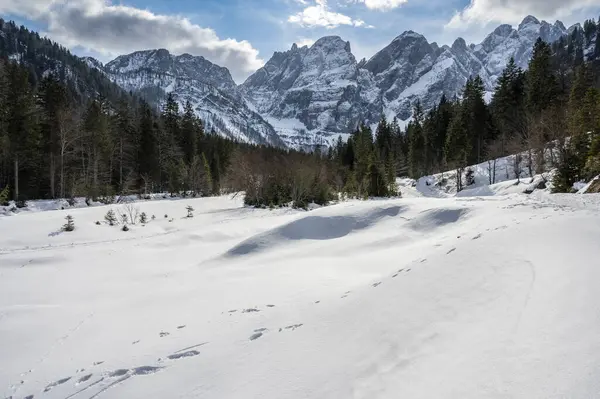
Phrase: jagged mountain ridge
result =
(209, 87)
(308, 96)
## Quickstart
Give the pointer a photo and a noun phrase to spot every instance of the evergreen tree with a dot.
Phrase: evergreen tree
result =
(541, 85)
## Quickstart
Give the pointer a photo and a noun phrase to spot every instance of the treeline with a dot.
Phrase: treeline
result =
(55, 146)
(548, 115)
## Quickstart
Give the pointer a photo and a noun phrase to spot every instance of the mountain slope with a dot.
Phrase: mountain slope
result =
(307, 96)
(315, 93)
(210, 88)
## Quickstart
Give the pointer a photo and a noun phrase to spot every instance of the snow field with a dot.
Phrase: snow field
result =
(417, 297)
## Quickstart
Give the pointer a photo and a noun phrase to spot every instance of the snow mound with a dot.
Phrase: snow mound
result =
(313, 228)
(436, 218)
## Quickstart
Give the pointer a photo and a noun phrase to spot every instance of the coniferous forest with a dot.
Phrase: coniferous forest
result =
(67, 131)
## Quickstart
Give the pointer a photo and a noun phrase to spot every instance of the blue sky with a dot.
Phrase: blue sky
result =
(243, 34)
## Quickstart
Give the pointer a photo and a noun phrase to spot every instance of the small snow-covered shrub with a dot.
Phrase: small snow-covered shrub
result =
(110, 217)
(125, 228)
(70, 225)
(4, 196)
(190, 211)
(143, 218)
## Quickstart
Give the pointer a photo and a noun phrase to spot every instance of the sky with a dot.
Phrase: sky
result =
(243, 34)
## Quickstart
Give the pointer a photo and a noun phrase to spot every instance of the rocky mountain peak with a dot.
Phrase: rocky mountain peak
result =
(528, 21)
(459, 45)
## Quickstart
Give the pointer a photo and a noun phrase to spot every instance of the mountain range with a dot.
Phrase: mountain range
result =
(308, 96)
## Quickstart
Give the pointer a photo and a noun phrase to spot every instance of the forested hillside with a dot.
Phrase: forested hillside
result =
(550, 112)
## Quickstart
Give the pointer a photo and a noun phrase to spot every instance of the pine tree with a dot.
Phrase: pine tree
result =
(541, 86)
(507, 106)
(70, 225)
(110, 217)
(416, 143)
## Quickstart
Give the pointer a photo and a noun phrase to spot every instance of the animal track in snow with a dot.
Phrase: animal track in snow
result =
(181, 355)
(256, 336)
(56, 383)
(84, 379)
(293, 326)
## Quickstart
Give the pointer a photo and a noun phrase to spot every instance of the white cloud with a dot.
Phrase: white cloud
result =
(483, 12)
(112, 29)
(319, 15)
(304, 41)
(382, 5)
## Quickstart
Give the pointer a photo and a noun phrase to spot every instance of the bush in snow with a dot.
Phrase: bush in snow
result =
(4, 196)
(166, 216)
(125, 228)
(110, 217)
(190, 211)
(143, 218)
(133, 212)
(71, 201)
(153, 217)
(70, 225)
(21, 204)
(98, 223)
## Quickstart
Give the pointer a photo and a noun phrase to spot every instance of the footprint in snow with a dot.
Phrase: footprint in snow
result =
(29, 397)
(250, 310)
(84, 379)
(395, 275)
(376, 284)
(98, 363)
(256, 336)
(452, 250)
(181, 327)
(477, 237)
(293, 326)
(176, 356)
(164, 334)
(135, 342)
(270, 306)
(56, 383)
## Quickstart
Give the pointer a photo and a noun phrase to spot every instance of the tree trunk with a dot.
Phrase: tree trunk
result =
(16, 178)
(52, 177)
(121, 166)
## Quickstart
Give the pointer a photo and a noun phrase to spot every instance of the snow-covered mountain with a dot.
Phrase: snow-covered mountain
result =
(210, 88)
(308, 96)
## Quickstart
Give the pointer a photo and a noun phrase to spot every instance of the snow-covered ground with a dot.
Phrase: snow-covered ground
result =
(418, 297)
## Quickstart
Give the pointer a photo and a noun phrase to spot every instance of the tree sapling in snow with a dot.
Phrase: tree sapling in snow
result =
(190, 211)
(70, 225)
(111, 218)
(143, 218)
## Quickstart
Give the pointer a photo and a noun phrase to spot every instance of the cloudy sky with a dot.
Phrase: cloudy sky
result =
(243, 34)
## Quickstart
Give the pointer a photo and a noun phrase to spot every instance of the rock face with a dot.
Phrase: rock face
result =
(307, 96)
(312, 94)
(209, 87)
